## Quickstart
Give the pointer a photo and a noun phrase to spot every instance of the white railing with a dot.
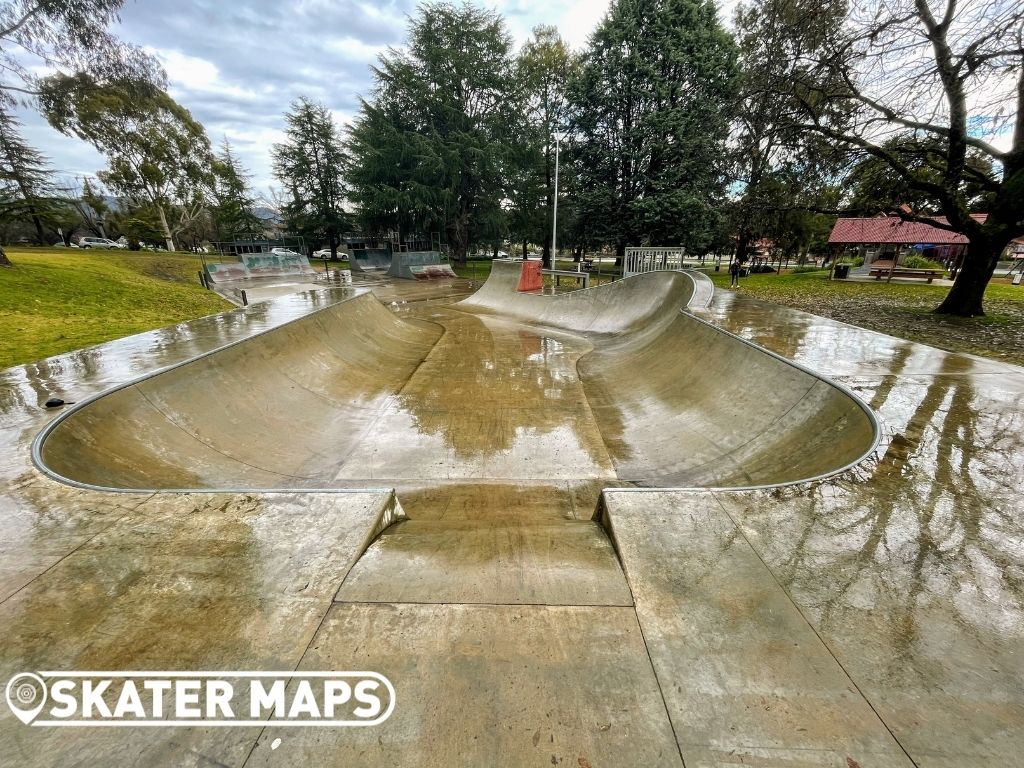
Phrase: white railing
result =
(639, 260)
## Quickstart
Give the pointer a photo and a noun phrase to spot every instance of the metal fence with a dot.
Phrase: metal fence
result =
(639, 260)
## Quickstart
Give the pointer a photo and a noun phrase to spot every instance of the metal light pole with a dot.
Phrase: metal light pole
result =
(554, 218)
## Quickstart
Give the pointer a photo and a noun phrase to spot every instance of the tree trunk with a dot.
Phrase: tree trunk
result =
(741, 247)
(4, 261)
(38, 222)
(167, 230)
(333, 241)
(967, 295)
(526, 253)
(457, 240)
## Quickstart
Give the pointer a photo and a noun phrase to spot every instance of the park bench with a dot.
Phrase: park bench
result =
(930, 274)
(560, 273)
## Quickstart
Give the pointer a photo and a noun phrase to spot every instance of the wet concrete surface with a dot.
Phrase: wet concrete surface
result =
(874, 618)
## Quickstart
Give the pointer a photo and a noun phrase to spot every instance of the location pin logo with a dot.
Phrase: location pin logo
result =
(26, 696)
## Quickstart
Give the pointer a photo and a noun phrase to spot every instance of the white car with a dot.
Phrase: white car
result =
(284, 252)
(98, 242)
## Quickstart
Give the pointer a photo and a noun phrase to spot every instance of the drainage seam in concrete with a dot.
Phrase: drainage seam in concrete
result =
(484, 603)
(383, 409)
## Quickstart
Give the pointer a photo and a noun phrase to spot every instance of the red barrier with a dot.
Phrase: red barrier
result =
(530, 278)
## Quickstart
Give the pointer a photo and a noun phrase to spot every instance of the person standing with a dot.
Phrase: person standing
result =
(734, 273)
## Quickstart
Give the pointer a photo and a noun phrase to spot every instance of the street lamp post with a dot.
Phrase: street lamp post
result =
(554, 218)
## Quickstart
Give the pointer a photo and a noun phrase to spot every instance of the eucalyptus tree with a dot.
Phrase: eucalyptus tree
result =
(70, 36)
(651, 109)
(156, 152)
(431, 147)
(309, 163)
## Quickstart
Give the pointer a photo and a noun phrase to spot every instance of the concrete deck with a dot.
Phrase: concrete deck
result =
(870, 618)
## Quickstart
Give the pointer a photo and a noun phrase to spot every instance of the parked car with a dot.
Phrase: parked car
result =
(323, 253)
(284, 252)
(98, 242)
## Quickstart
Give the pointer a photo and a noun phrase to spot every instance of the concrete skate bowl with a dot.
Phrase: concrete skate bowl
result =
(673, 401)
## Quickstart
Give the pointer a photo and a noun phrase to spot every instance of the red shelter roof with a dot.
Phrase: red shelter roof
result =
(892, 229)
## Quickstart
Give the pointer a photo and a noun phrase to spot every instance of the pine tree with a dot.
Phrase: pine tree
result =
(309, 163)
(544, 65)
(25, 177)
(432, 148)
(233, 206)
(651, 108)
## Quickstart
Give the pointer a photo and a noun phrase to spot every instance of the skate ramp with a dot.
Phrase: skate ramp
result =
(615, 384)
(370, 260)
(259, 265)
(681, 403)
(419, 265)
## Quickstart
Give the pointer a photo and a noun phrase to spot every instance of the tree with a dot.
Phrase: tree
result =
(776, 168)
(958, 86)
(68, 36)
(93, 208)
(309, 164)
(431, 148)
(651, 109)
(25, 187)
(875, 186)
(232, 204)
(542, 70)
(156, 152)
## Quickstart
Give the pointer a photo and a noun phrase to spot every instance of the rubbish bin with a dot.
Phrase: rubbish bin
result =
(842, 271)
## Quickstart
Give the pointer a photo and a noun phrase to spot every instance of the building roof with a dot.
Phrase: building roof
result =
(892, 229)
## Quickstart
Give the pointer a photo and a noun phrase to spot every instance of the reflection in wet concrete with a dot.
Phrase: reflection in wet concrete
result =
(911, 567)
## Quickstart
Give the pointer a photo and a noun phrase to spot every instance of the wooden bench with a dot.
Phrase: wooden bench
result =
(930, 274)
(560, 273)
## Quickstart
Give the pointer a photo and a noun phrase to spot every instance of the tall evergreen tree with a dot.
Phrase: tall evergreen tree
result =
(431, 148)
(777, 169)
(309, 164)
(544, 65)
(232, 205)
(26, 188)
(651, 109)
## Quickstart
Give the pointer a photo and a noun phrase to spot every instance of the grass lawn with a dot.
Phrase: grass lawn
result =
(475, 269)
(899, 309)
(54, 300)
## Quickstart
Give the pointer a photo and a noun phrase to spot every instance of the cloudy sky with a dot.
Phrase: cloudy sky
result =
(237, 65)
